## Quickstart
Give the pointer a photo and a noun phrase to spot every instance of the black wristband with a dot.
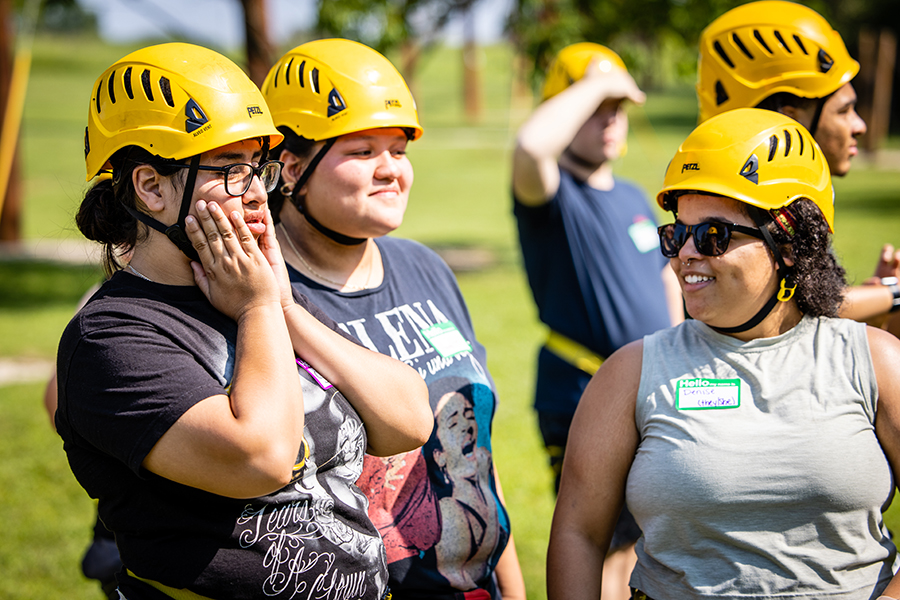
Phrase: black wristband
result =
(892, 284)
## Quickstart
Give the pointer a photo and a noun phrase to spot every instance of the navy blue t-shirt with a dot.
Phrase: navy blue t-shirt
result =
(593, 264)
(437, 508)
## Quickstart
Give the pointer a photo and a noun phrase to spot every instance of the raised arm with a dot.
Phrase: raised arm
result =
(553, 125)
(244, 444)
(885, 350)
(600, 450)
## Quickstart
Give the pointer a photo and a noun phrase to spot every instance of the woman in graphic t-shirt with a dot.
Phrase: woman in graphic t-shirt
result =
(347, 116)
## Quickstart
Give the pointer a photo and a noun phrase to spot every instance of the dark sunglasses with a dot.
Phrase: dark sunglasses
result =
(239, 176)
(711, 238)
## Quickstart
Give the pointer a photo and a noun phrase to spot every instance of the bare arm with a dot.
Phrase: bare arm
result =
(885, 350)
(244, 444)
(599, 453)
(389, 395)
(553, 125)
(871, 302)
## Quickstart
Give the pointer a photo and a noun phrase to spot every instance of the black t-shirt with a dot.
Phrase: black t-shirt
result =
(130, 363)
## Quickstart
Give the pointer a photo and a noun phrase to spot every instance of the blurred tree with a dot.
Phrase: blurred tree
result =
(407, 26)
(656, 38)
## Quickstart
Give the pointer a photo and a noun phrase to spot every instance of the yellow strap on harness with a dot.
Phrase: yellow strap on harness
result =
(573, 353)
(177, 594)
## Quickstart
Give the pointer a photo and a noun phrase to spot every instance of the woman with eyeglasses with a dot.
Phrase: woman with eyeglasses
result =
(219, 419)
(755, 444)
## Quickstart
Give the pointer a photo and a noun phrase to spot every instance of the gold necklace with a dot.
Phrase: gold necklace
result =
(319, 275)
(139, 274)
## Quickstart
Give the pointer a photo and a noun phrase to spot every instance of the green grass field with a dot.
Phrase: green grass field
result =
(460, 199)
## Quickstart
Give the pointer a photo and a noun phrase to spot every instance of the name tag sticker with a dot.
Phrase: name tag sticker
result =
(446, 339)
(644, 235)
(706, 394)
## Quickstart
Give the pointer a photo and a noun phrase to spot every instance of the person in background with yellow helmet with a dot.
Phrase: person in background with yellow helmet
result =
(589, 246)
(198, 396)
(755, 444)
(785, 57)
(347, 116)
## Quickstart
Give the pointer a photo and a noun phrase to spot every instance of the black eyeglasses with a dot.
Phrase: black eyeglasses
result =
(239, 176)
(711, 238)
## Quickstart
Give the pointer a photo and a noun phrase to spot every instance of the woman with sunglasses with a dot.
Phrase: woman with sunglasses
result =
(347, 116)
(198, 402)
(755, 444)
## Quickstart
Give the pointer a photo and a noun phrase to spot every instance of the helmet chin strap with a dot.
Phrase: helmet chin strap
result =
(300, 202)
(176, 232)
(786, 287)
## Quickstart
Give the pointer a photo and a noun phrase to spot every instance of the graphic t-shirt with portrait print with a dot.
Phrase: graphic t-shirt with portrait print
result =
(437, 508)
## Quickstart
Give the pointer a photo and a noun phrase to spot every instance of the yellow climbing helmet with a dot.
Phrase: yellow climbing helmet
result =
(761, 48)
(328, 88)
(571, 63)
(759, 157)
(176, 101)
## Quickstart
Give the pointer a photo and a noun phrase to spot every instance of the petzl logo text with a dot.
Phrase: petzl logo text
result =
(690, 167)
(254, 110)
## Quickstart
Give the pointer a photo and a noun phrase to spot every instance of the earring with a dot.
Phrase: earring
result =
(286, 190)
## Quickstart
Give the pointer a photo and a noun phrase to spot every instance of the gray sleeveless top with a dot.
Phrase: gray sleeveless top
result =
(758, 473)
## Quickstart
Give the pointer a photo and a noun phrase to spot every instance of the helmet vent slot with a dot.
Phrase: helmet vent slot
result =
(825, 61)
(800, 139)
(721, 94)
(762, 42)
(782, 42)
(126, 81)
(166, 88)
(314, 79)
(721, 52)
(300, 73)
(800, 44)
(97, 97)
(741, 46)
(287, 73)
(145, 83)
(787, 142)
(773, 146)
(111, 87)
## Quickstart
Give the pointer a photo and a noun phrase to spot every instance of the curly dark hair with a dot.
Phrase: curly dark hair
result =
(820, 279)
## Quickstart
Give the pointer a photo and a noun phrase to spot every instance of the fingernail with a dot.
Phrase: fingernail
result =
(189, 220)
(201, 204)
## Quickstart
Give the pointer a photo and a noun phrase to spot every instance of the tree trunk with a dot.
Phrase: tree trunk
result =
(259, 48)
(11, 215)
